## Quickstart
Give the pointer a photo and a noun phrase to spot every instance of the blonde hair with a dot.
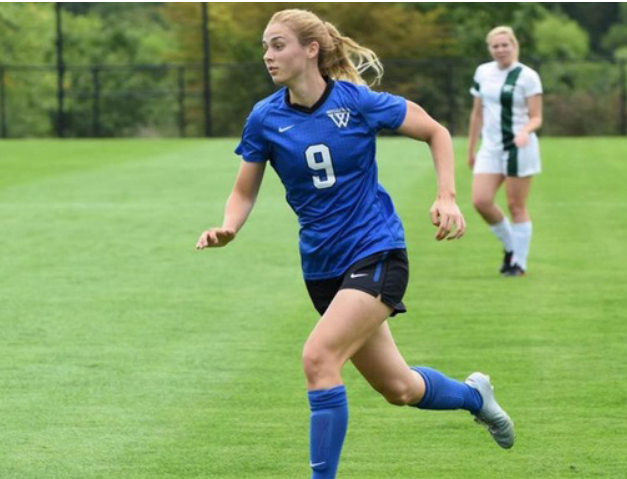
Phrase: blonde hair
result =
(510, 33)
(339, 57)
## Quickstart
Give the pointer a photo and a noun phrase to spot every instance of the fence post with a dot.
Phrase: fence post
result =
(622, 98)
(95, 73)
(3, 117)
(60, 71)
(206, 73)
(181, 98)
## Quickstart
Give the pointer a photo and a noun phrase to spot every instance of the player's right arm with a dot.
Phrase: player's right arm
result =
(238, 206)
(474, 130)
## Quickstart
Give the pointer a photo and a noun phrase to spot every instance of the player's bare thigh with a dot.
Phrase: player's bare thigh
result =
(351, 319)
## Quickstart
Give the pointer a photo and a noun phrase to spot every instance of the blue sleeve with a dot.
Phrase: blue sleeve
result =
(382, 110)
(253, 147)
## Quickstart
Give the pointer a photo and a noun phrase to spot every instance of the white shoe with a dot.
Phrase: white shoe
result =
(491, 415)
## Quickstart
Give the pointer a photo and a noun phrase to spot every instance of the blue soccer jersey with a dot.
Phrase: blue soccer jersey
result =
(325, 158)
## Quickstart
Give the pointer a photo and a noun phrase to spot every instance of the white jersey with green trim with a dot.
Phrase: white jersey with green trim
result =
(504, 94)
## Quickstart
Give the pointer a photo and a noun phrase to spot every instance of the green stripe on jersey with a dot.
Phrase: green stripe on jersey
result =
(476, 86)
(512, 161)
(507, 130)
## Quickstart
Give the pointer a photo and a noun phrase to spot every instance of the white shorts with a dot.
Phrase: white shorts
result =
(514, 162)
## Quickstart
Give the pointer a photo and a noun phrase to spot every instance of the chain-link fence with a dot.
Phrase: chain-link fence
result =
(581, 98)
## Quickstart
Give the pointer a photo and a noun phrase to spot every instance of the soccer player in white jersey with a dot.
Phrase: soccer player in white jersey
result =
(507, 110)
(318, 132)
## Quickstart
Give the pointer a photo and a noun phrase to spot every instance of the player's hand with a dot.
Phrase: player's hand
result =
(521, 139)
(215, 238)
(446, 216)
(471, 160)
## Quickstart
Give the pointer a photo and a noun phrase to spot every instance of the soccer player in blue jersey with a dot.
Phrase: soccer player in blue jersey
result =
(318, 132)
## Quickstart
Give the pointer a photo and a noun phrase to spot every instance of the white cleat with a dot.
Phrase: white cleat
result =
(491, 415)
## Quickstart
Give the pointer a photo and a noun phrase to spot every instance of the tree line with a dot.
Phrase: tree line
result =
(429, 51)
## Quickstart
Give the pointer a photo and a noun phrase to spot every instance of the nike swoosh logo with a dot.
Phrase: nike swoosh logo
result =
(281, 130)
(353, 275)
(317, 464)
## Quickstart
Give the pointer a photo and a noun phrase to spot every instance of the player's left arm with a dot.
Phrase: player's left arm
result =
(445, 213)
(534, 104)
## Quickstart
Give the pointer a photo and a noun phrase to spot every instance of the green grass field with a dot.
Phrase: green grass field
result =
(125, 353)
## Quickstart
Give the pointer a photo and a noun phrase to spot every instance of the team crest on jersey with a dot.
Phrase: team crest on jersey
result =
(340, 116)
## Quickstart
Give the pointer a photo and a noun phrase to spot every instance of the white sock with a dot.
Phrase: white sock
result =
(522, 240)
(503, 231)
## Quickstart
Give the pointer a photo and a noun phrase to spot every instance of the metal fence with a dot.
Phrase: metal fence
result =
(581, 98)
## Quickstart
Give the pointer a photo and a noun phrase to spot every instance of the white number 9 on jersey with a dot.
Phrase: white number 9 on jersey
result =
(322, 151)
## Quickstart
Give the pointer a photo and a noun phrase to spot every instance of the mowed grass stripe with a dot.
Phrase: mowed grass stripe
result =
(128, 354)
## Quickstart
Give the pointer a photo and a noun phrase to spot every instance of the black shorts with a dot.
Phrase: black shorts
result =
(385, 274)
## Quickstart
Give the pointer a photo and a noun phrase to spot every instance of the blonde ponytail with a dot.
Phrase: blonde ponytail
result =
(339, 57)
(348, 59)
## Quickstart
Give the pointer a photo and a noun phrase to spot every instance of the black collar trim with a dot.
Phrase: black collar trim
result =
(318, 104)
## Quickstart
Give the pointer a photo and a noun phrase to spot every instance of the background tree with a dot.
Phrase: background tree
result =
(557, 37)
(615, 40)
(27, 38)
(596, 18)
(238, 76)
(429, 51)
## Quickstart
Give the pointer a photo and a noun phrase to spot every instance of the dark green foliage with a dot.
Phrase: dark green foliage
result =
(581, 98)
(113, 41)
(595, 17)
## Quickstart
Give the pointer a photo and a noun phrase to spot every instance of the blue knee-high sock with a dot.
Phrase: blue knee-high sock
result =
(442, 392)
(329, 419)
